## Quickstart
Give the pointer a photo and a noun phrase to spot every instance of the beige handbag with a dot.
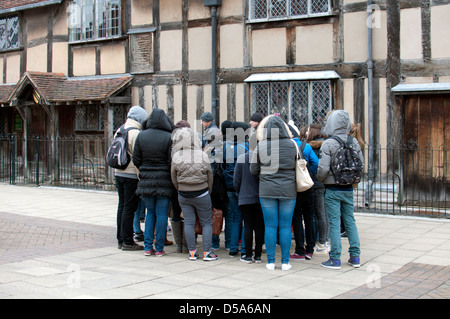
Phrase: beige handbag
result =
(302, 177)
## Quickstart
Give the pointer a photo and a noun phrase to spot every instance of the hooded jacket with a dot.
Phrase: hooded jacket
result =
(190, 169)
(135, 119)
(338, 124)
(274, 159)
(152, 156)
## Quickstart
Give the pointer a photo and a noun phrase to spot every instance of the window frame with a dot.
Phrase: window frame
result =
(82, 12)
(8, 46)
(91, 113)
(288, 16)
(288, 111)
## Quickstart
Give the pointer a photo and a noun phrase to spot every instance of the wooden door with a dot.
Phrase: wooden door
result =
(426, 138)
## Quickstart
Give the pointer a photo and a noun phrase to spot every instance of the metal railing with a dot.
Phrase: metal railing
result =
(73, 161)
(408, 180)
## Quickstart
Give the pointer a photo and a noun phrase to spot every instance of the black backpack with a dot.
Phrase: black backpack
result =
(117, 155)
(346, 164)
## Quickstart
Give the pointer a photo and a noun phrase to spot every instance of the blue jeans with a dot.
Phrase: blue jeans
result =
(157, 215)
(277, 216)
(340, 203)
(138, 215)
(236, 220)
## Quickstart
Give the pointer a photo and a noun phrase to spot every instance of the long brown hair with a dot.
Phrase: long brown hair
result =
(356, 133)
(315, 132)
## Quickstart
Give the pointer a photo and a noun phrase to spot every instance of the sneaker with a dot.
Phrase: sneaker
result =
(233, 253)
(149, 252)
(354, 261)
(215, 248)
(332, 264)
(132, 247)
(257, 259)
(246, 260)
(308, 256)
(296, 256)
(139, 237)
(321, 248)
(270, 266)
(193, 254)
(160, 253)
(286, 266)
(209, 256)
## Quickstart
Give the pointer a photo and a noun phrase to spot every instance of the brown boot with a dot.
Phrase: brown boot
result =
(168, 242)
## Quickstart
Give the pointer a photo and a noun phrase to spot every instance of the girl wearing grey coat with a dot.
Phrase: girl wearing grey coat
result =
(274, 162)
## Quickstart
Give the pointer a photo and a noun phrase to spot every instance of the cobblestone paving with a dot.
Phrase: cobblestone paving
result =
(412, 281)
(24, 237)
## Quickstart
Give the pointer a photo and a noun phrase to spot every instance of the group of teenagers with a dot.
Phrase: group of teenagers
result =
(247, 170)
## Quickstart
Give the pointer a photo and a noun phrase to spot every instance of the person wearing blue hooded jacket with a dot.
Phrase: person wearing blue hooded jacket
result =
(304, 206)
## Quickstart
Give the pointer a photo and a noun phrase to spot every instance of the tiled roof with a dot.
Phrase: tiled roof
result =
(56, 87)
(14, 5)
(90, 88)
(5, 92)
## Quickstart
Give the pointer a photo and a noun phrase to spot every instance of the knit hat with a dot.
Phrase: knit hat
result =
(207, 117)
(256, 117)
(138, 114)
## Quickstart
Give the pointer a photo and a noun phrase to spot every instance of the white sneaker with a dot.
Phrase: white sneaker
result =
(321, 248)
(270, 266)
(286, 266)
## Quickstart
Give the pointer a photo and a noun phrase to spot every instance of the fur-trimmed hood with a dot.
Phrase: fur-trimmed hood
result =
(316, 143)
(270, 122)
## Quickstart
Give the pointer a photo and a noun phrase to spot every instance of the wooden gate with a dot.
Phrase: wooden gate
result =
(426, 137)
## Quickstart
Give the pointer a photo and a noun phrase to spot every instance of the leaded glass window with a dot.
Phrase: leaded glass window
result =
(266, 10)
(94, 19)
(304, 102)
(9, 33)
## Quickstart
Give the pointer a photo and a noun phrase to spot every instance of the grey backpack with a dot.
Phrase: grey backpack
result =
(117, 155)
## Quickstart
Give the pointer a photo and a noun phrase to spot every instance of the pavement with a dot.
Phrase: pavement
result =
(60, 244)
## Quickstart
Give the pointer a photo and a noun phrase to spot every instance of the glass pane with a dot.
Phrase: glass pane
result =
(299, 7)
(258, 9)
(87, 16)
(3, 34)
(13, 32)
(92, 118)
(319, 6)
(278, 8)
(299, 103)
(279, 99)
(259, 96)
(321, 100)
(80, 118)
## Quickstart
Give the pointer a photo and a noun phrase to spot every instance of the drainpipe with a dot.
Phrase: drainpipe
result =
(371, 170)
(213, 4)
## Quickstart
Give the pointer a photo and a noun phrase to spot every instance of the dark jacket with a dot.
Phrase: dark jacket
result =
(274, 160)
(245, 183)
(152, 156)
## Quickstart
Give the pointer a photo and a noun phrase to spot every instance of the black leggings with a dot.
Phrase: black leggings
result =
(253, 222)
